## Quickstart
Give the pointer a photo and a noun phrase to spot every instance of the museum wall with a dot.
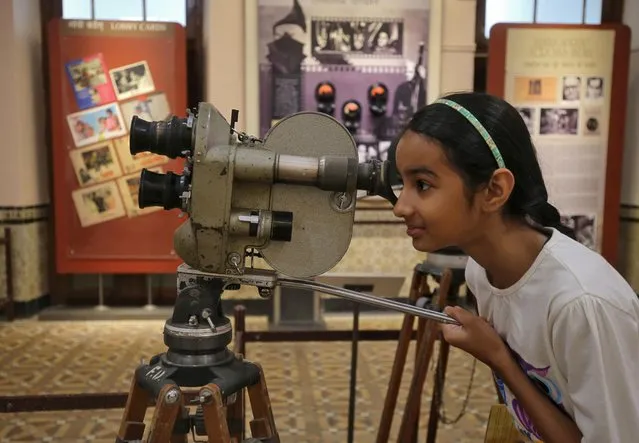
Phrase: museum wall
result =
(629, 234)
(24, 190)
(375, 248)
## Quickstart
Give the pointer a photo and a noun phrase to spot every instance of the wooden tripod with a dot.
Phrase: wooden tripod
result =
(220, 419)
(427, 333)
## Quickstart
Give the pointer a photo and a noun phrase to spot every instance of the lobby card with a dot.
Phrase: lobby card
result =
(90, 81)
(129, 188)
(132, 163)
(95, 164)
(132, 80)
(98, 204)
(96, 124)
(153, 107)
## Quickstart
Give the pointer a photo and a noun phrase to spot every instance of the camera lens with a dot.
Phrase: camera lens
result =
(171, 138)
(157, 189)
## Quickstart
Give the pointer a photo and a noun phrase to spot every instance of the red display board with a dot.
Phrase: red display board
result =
(101, 74)
(570, 83)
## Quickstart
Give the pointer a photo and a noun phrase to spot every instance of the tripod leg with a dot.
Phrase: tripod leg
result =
(421, 335)
(390, 402)
(410, 418)
(132, 424)
(215, 423)
(263, 423)
(235, 417)
(438, 391)
(169, 403)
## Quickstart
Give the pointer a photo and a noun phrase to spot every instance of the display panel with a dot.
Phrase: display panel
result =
(569, 83)
(364, 63)
(102, 73)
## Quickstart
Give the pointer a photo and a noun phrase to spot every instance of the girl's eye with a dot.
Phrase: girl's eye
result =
(422, 185)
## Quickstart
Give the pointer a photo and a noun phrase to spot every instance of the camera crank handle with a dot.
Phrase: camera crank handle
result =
(369, 299)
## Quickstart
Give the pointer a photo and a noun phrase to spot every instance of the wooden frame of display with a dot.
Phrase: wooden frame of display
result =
(497, 81)
(129, 243)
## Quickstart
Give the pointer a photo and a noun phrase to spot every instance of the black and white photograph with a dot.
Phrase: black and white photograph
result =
(594, 88)
(98, 204)
(153, 107)
(96, 124)
(592, 119)
(132, 80)
(95, 164)
(132, 163)
(559, 121)
(529, 117)
(571, 88)
(370, 37)
(584, 227)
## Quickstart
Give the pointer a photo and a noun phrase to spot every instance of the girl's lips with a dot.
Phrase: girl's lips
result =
(414, 231)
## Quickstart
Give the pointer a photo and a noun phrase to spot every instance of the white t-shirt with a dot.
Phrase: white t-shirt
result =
(572, 322)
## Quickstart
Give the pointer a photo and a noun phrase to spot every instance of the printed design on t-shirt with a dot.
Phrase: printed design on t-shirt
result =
(541, 378)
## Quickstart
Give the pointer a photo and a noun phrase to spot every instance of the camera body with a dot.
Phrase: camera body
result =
(277, 196)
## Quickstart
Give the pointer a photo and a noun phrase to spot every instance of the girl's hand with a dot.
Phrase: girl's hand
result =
(475, 336)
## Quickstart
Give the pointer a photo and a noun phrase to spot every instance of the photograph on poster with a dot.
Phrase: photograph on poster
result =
(129, 187)
(95, 164)
(367, 37)
(132, 163)
(592, 119)
(571, 88)
(353, 46)
(97, 124)
(131, 80)
(529, 115)
(594, 88)
(98, 204)
(536, 89)
(90, 82)
(154, 107)
(584, 227)
(559, 121)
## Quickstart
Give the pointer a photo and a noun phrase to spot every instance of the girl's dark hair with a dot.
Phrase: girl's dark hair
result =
(469, 154)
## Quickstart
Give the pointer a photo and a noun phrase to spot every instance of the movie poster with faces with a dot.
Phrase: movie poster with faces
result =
(98, 204)
(560, 82)
(108, 175)
(91, 83)
(365, 65)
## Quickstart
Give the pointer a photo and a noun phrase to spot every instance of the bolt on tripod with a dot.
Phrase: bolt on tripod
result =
(197, 371)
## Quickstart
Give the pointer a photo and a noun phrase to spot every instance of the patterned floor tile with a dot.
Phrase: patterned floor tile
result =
(308, 382)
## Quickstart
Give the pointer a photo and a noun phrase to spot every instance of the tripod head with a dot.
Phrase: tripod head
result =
(198, 333)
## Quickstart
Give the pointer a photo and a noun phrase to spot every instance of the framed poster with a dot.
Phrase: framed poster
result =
(102, 73)
(372, 58)
(569, 83)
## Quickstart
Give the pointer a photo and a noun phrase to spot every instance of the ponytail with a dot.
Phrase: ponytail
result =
(544, 213)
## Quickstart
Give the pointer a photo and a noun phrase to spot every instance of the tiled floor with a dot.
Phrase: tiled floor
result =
(307, 382)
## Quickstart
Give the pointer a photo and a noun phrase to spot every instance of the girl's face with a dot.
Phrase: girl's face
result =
(433, 202)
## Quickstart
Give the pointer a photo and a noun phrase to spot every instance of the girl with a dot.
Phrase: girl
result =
(558, 326)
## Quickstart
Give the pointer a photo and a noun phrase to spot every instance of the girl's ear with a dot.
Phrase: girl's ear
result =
(498, 190)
